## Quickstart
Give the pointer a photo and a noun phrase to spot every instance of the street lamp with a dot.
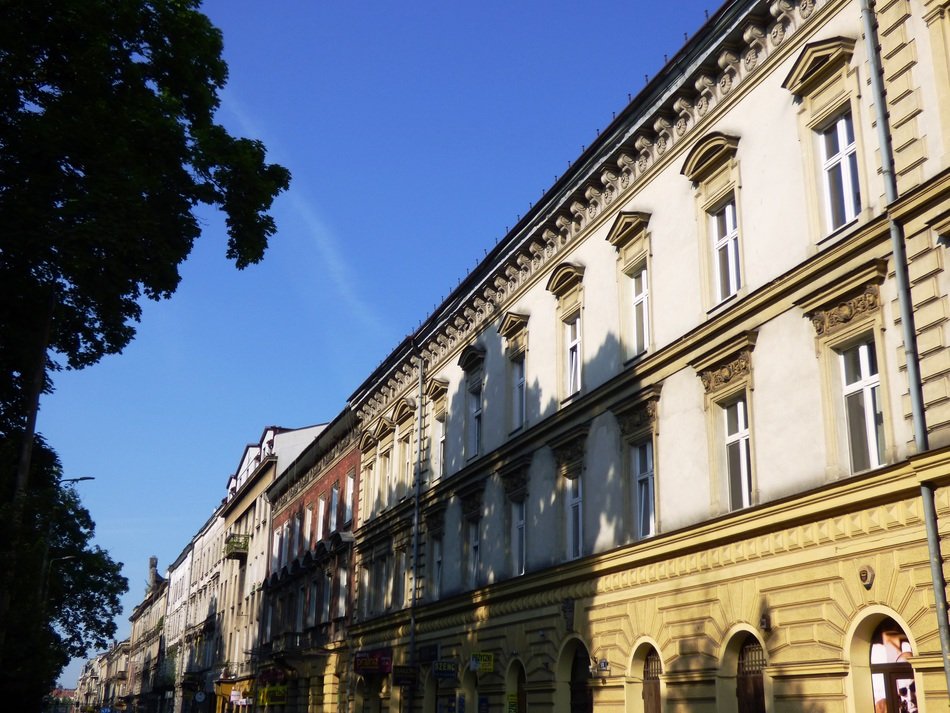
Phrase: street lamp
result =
(49, 569)
(63, 481)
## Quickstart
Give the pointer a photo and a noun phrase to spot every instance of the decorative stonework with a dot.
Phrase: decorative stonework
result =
(639, 415)
(471, 496)
(652, 138)
(347, 441)
(514, 477)
(827, 321)
(435, 518)
(721, 376)
(569, 450)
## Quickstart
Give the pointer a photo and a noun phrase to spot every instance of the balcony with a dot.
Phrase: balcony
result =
(235, 547)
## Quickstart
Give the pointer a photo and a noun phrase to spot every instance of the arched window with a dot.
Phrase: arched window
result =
(892, 676)
(750, 692)
(652, 668)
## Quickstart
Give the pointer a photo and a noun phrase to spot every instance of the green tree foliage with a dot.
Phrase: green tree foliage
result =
(66, 595)
(107, 145)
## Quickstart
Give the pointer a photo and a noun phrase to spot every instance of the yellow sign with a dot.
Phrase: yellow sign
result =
(483, 663)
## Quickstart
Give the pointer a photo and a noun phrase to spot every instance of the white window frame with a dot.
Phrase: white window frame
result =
(519, 388)
(843, 163)
(639, 310)
(572, 354)
(348, 498)
(342, 590)
(441, 424)
(643, 483)
(519, 543)
(867, 388)
(327, 597)
(308, 526)
(474, 546)
(334, 507)
(575, 518)
(474, 441)
(737, 450)
(385, 477)
(321, 516)
(436, 567)
(724, 229)
(405, 445)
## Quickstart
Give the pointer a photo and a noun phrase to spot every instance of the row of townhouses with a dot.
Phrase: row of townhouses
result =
(680, 442)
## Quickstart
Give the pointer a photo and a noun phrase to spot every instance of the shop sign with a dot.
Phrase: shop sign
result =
(272, 695)
(445, 669)
(513, 703)
(482, 663)
(374, 661)
(404, 675)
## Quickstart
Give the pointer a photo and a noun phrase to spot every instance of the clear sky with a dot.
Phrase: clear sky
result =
(416, 133)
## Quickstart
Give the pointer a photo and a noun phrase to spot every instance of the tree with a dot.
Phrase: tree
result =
(107, 145)
(67, 595)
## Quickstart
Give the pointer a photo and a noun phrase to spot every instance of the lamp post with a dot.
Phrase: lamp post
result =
(47, 562)
(49, 569)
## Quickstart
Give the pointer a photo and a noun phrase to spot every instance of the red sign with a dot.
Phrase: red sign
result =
(375, 661)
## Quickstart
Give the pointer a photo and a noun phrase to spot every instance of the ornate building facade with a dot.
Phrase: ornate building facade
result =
(676, 443)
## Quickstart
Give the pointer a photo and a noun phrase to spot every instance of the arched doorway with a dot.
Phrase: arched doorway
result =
(582, 698)
(750, 688)
(652, 668)
(430, 694)
(516, 698)
(468, 698)
(892, 676)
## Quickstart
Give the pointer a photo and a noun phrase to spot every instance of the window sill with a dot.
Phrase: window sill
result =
(569, 399)
(725, 304)
(835, 235)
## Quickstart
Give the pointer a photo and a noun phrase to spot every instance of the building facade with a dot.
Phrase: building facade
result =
(671, 458)
(151, 685)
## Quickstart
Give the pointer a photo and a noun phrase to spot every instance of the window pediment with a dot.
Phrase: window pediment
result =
(851, 297)
(569, 450)
(512, 325)
(566, 277)
(383, 428)
(367, 442)
(403, 410)
(436, 389)
(710, 153)
(818, 61)
(628, 227)
(471, 358)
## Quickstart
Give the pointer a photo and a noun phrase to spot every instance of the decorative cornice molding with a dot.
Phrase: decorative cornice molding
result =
(724, 364)
(639, 413)
(569, 450)
(650, 138)
(515, 476)
(828, 321)
(470, 495)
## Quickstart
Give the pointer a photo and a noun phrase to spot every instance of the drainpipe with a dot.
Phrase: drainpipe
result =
(417, 492)
(908, 330)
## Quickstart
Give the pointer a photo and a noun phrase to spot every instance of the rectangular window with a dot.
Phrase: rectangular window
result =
(343, 591)
(385, 477)
(321, 516)
(308, 526)
(436, 568)
(334, 506)
(639, 311)
(440, 424)
(641, 459)
(312, 604)
(738, 457)
(295, 548)
(348, 499)
(518, 392)
(368, 502)
(398, 581)
(284, 543)
(518, 541)
(474, 420)
(725, 233)
(840, 171)
(406, 476)
(275, 553)
(300, 609)
(327, 597)
(575, 518)
(572, 345)
(473, 554)
(862, 404)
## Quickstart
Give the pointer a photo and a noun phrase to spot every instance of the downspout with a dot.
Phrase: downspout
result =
(909, 332)
(417, 493)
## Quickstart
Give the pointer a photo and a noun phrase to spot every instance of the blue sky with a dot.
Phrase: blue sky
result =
(416, 133)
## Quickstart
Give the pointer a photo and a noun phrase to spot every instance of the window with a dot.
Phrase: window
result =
(566, 284)
(474, 420)
(862, 406)
(639, 311)
(738, 458)
(385, 478)
(348, 499)
(575, 518)
(750, 688)
(275, 552)
(343, 591)
(440, 445)
(842, 192)
(518, 392)
(641, 461)
(321, 516)
(473, 554)
(892, 677)
(327, 596)
(398, 585)
(284, 543)
(295, 548)
(518, 541)
(436, 575)
(405, 479)
(312, 603)
(300, 609)
(725, 235)
(367, 503)
(308, 527)
(334, 506)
